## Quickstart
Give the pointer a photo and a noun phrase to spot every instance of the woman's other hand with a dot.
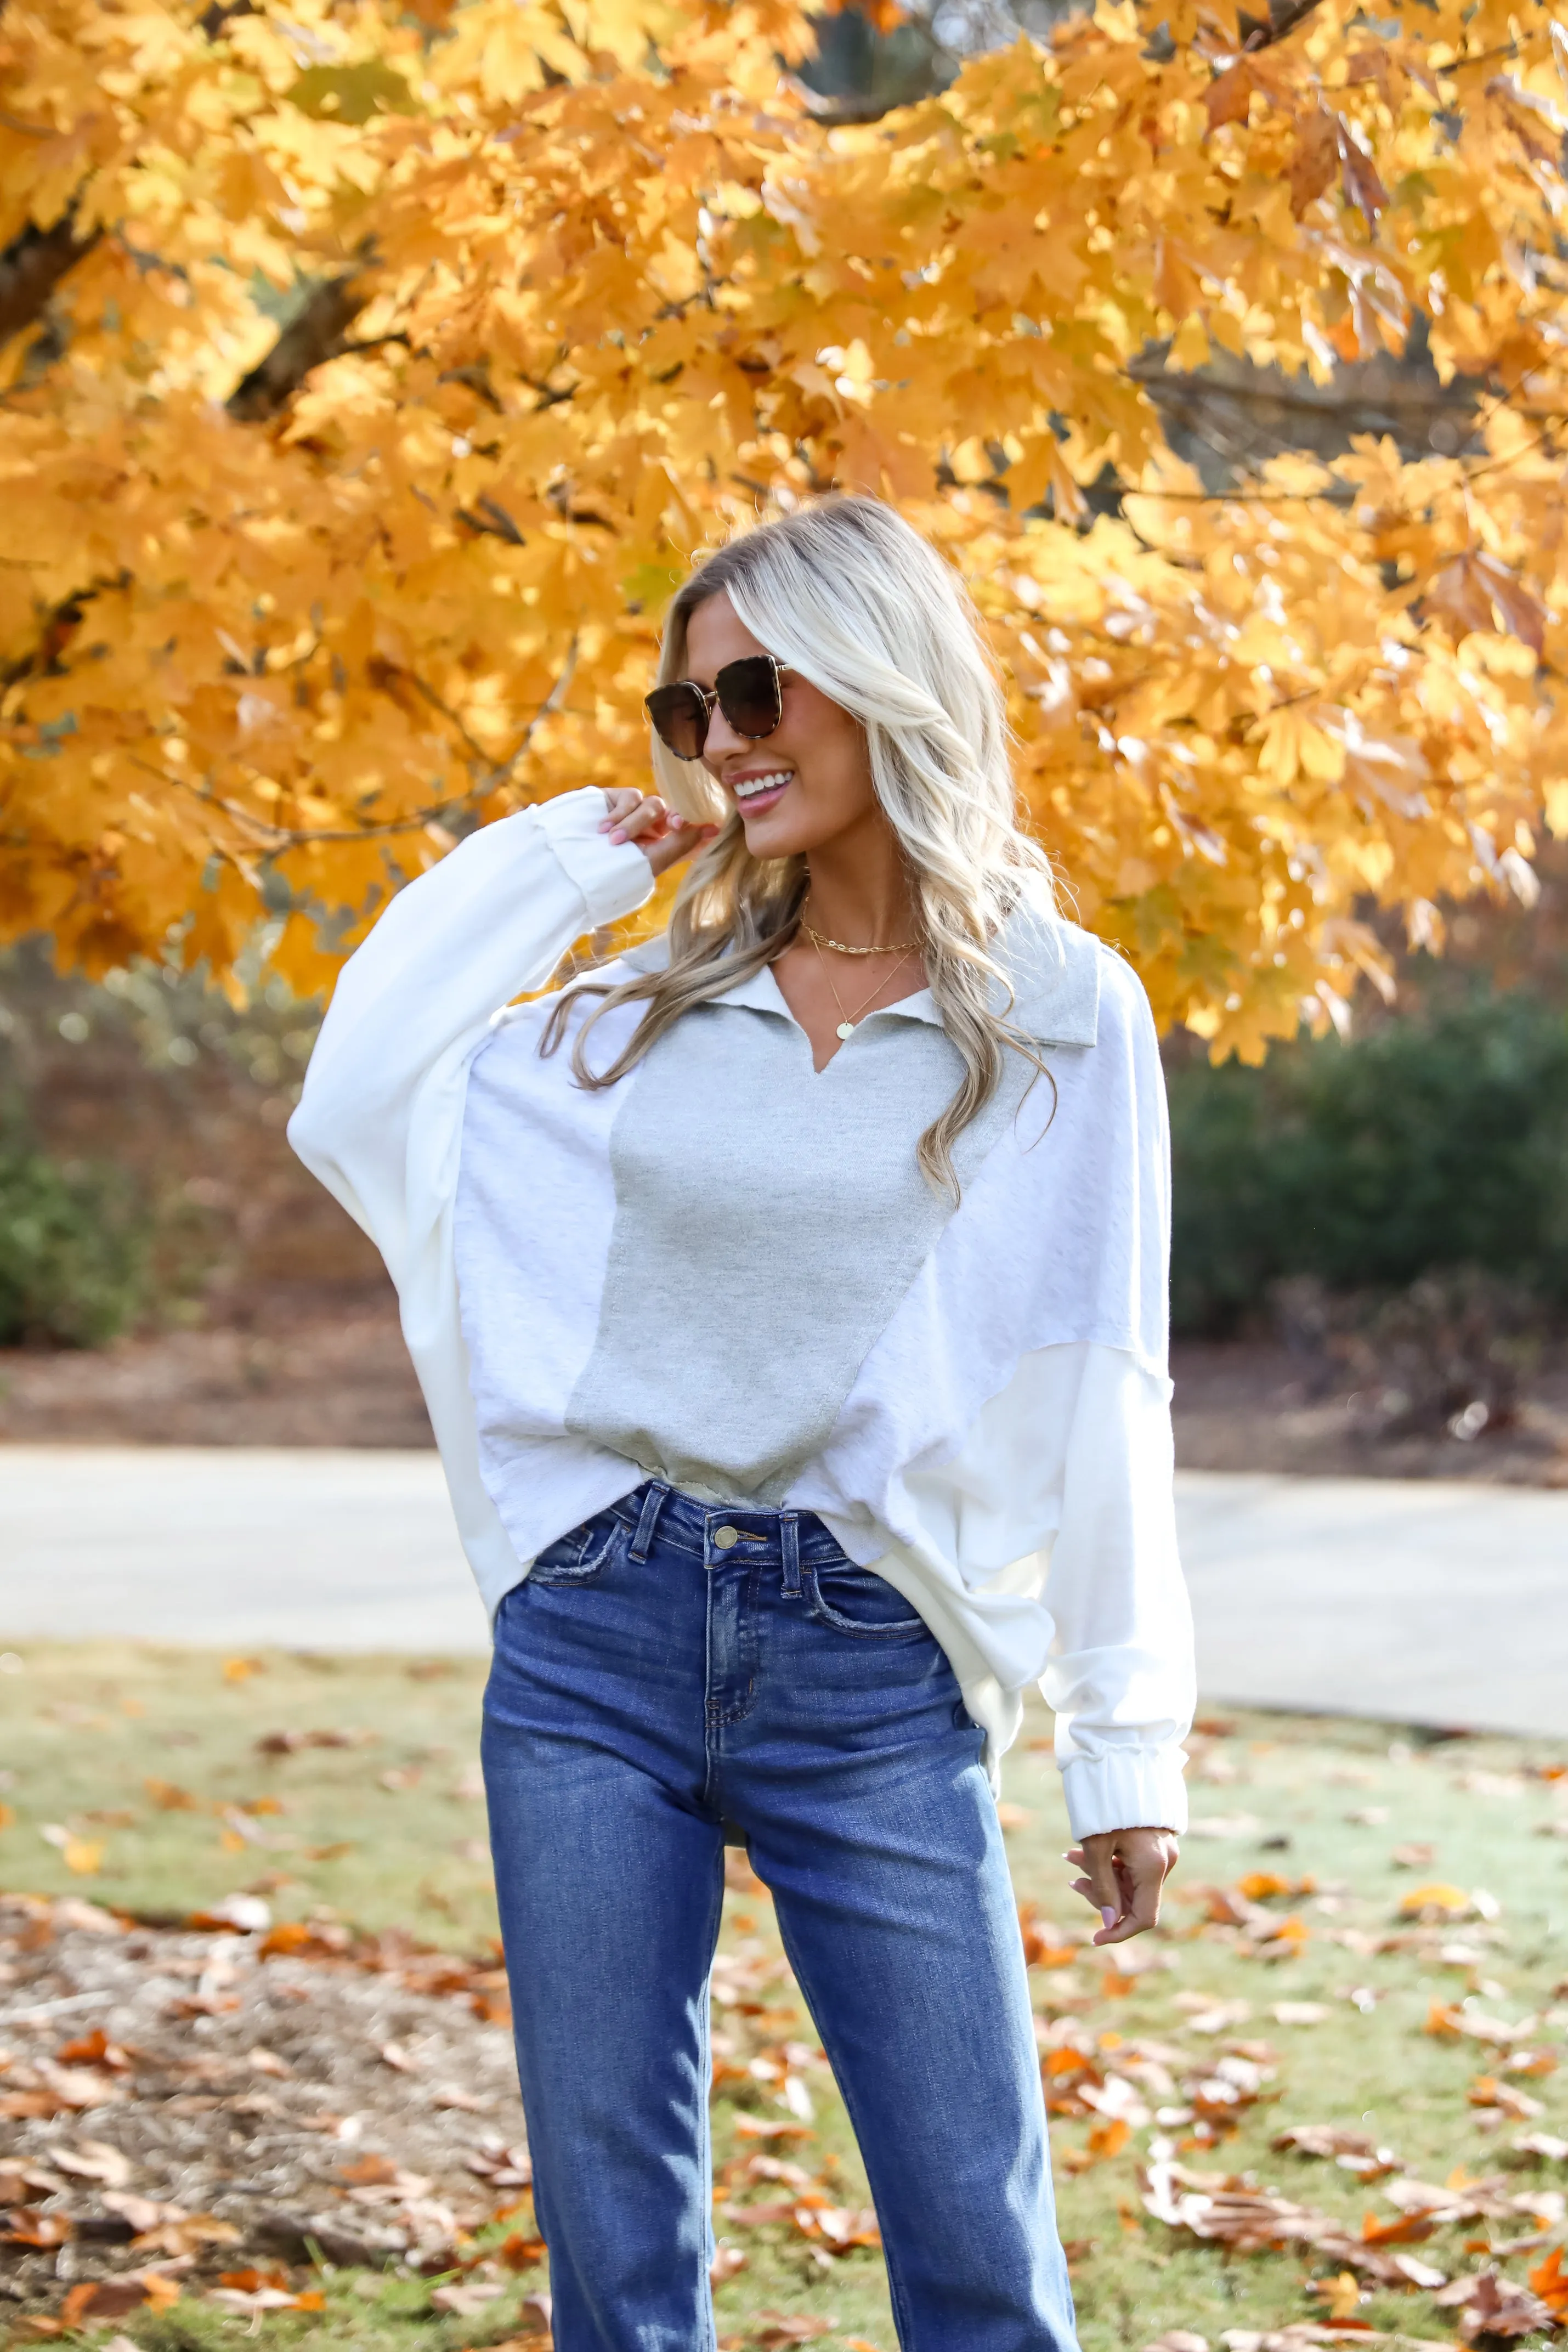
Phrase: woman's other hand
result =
(660, 831)
(1124, 1872)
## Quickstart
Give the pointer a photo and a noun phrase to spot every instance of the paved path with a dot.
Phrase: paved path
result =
(1414, 1600)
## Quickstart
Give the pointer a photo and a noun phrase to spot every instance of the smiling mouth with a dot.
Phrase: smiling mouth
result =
(758, 788)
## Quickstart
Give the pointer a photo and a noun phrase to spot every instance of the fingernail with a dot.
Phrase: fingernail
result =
(1107, 1915)
(618, 834)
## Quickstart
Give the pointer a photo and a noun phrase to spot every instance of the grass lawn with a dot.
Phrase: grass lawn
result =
(1367, 1934)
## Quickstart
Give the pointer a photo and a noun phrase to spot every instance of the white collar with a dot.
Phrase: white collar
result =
(762, 993)
(1054, 968)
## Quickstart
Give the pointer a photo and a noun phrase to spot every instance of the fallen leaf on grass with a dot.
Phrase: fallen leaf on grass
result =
(393, 2054)
(26, 2225)
(20, 2183)
(98, 2299)
(1300, 2012)
(1446, 2023)
(509, 2168)
(171, 1798)
(725, 2263)
(267, 2298)
(1543, 2143)
(774, 2328)
(1342, 2295)
(1352, 2151)
(1207, 2014)
(84, 1856)
(1412, 1857)
(1487, 2091)
(94, 2160)
(186, 2234)
(1107, 2139)
(94, 2049)
(517, 2253)
(1221, 2210)
(1224, 1825)
(1302, 2333)
(1014, 1817)
(1491, 2305)
(141, 2212)
(465, 2300)
(1439, 1901)
(289, 1743)
(237, 1915)
(1550, 2282)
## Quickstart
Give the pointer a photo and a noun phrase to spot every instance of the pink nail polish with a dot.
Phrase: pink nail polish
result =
(1107, 1915)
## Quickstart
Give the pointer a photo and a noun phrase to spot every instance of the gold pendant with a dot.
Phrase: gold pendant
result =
(846, 1029)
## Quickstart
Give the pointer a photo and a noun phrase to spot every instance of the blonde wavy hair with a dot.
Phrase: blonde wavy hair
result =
(847, 593)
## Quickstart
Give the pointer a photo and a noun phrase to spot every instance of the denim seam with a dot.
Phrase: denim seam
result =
(898, 2294)
(704, 2126)
(901, 1629)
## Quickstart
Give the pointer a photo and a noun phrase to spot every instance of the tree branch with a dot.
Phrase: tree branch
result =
(317, 335)
(272, 840)
(1284, 15)
(33, 265)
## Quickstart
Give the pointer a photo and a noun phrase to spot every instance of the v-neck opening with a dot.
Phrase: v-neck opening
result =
(819, 1070)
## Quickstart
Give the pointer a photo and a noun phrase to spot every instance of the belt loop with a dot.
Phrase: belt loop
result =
(655, 1494)
(789, 1549)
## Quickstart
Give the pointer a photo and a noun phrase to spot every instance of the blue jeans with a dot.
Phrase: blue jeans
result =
(668, 1669)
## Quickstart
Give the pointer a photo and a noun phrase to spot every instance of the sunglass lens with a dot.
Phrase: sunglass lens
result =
(749, 694)
(680, 718)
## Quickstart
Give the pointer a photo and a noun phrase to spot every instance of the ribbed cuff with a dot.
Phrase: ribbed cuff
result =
(613, 877)
(1130, 1789)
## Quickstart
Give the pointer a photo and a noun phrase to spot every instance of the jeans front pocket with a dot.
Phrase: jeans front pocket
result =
(857, 1601)
(579, 1556)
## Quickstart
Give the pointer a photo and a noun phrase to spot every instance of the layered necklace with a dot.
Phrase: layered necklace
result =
(902, 949)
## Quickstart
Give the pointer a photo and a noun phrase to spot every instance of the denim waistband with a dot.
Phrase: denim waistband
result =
(721, 1533)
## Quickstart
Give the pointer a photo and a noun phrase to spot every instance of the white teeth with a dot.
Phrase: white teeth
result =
(755, 784)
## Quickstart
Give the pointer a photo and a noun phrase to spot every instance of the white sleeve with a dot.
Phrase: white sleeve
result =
(489, 922)
(1121, 1676)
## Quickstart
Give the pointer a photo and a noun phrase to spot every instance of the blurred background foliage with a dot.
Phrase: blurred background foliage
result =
(1431, 1143)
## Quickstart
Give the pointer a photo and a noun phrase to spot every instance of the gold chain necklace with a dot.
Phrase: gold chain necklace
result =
(847, 1024)
(820, 941)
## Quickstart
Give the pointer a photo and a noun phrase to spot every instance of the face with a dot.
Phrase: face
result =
(807, 784)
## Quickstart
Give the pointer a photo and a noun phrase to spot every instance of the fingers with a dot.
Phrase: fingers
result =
(1099, 1884)
(681, 838)
(636, 816)
(1125, 1871)
(662, 834)
(617, 804)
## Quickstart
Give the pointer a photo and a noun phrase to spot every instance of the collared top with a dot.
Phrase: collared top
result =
(728, 1270)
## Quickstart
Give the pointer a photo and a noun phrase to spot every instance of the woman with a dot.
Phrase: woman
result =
(789, 1300)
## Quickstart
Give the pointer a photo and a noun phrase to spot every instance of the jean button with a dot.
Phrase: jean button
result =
(727, 1538)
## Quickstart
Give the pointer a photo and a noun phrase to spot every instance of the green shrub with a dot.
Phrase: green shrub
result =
(73, 1250)
(1436, 1141)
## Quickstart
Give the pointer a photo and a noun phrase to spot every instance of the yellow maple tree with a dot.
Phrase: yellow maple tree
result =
(368, 380)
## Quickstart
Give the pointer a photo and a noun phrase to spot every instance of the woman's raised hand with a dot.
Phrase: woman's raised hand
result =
(660, 831)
